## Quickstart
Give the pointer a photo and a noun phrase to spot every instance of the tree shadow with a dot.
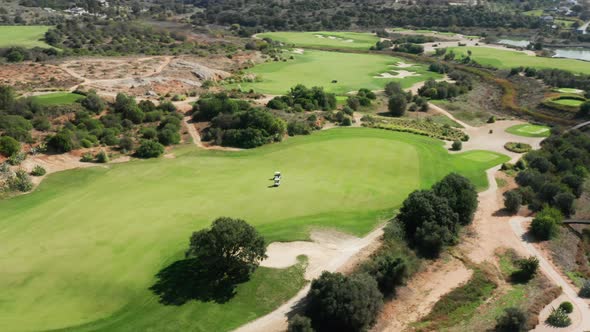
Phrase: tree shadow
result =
(192, 279)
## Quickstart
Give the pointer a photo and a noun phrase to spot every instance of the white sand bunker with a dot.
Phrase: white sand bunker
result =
(398, 74)
(297, 51)
(335, 38)
(328, 251)
(319, 36)
(402, 64)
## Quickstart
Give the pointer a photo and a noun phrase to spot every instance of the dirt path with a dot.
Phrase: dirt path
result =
(328, 251)
(196, 137)
(581, 315)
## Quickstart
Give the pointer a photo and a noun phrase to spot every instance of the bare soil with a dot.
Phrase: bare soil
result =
(30, 77)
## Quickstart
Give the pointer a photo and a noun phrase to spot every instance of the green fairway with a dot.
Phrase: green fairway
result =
(529, 130)
(349, 40)
(25, 36)
(59, 98)
(83, 249)
(569, 102)
(570, 90)
(320, 68)
(506, 59)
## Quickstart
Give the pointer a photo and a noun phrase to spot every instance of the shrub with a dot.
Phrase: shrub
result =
(460, 194)
(102, 157)
(388, 270)
(513, 320)
(527, 268)
(346, 121)
(9, 146)
(126, 144)
(491, 119)
(148, 132)
(392, 88)
(341, 303)
(353, 103)
(38, 170)
(585, 290)
(41, 123)
(61, 142)
(566, 306)
(93, 102)
(87, 157)
(150, 149)
(17, 158)
(558, 318)
(298, 128)
(518, 147)
(299, 323)
(397, 104)
(86, 143)
(457, 146)
(544, 225)
(20, 181)
(512, 201)
(564, 201)
(168, 136)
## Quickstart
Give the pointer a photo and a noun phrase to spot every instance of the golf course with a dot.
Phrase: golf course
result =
(506, 59)
(58, 98)
(529, 130)
(344, 40)
(23, 36)
(337, 72)
(82, 251)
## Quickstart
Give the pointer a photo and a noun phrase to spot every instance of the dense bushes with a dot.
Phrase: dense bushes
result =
(302, 98)
(409, 48)
(8, 146)
(445, 90)
(20, 181)
(513, 320)
(149, 149)
(343, 303)
(431, 219)
(512, 201)
(517, 147)
(246, 129)
(388, 269)
(545, 223)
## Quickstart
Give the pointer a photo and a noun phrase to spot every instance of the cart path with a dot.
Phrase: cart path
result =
(581, 315)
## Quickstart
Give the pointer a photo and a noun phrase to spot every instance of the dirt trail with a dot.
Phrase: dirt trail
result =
(328, 251)
(581, 315)
(196, 137)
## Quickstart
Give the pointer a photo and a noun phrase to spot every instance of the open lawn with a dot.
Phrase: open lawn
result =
(319, 68)
(59, 98)
(569, 102)
(529, 130)
(25, 36)
(506, 59)
(350, 40)
(83, 249)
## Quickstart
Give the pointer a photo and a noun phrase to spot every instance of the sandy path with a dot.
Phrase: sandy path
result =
(196, 137)
(581, 315)
(328, 251)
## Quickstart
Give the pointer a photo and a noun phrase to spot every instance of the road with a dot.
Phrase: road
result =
(581, 318)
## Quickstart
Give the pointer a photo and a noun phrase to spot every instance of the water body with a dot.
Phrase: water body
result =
(515, 42)
(573, 53)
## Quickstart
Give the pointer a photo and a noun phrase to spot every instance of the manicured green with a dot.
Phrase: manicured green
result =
(320, 68)
(529, 130)
(24, 36)
(506, 59)
(536, 12)
(568, 102)
(85, 246)
(570, 90)
(59, 98)
(348, 40)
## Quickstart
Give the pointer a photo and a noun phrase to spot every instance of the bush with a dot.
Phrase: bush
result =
(491, 119)
(397, 104)
(9, 146)
(346, 121)
(566, 306)
(299, 323)
(102, 157)
(17, 158)
(461, 195)
(87, 158)
(341, 303)
(86, 143)
(41, 123)
(388, 270)
(558, 318)
(585, 290)
(512, 201)
(61, 142)
(38, 170)
(168, 136)
(93, 102)
(150, 149)
(527, 268)
(457, 146)
(513, 320)
(126, 144)
(564, 201)
(148, 132)
(518, 147)
(298, 128)
(20, 181)
(545, 223)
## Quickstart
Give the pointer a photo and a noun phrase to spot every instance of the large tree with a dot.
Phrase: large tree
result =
(397, 104)
(230, 245)
(460, 193)
(341, 303)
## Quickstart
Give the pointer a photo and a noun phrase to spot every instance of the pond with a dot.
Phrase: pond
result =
(573, 53)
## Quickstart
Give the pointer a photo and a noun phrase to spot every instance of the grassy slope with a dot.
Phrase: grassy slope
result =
(506, 59)
(320, 68)
(352, 40)
(529, 130)
(86, 245)
(59, 98)
(25, 36)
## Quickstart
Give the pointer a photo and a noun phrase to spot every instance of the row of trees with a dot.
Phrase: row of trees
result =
(552, 176)
(301, 98)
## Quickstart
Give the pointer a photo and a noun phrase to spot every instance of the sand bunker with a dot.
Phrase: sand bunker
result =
(297, 51)
(402, 64)
(398, 74)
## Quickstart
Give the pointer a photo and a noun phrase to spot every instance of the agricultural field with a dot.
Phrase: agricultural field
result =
(59, 98)
(24, 36)
(506, 59)
(346, 40)
(529, 130)
(349, 71)
(83, 249)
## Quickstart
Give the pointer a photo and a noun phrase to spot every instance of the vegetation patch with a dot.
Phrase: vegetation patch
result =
(518, 147)
(529, 130)
(23, 36)
(337, 72)
(60, 98)
(420, 127)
